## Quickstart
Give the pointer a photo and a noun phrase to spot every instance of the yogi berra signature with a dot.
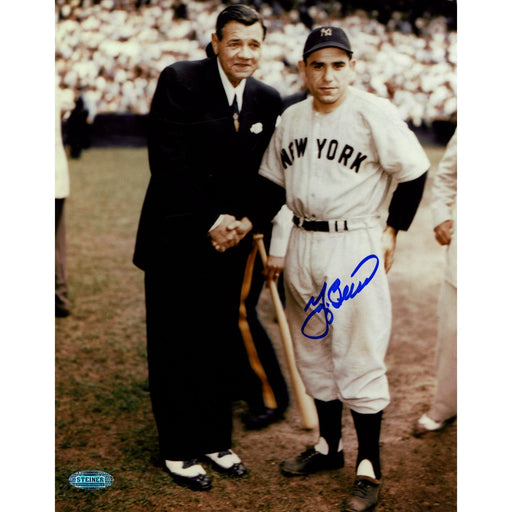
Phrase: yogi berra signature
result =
(336, 296)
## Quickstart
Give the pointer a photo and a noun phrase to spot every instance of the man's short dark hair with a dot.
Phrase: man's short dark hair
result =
(241, 14)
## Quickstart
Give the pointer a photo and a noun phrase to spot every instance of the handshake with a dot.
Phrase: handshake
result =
(229, 232)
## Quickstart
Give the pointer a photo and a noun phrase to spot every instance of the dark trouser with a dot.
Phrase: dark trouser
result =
(194, 349)
(263, 343)
(61, 271)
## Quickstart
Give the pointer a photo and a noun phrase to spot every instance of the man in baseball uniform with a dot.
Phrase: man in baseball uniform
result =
(443, 409)
(339, 154)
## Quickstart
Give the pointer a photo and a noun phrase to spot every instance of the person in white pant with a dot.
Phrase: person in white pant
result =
(62, 304)
(443, 409)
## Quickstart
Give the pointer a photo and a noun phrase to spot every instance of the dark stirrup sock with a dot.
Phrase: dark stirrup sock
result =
(368, 436)
(329, 422)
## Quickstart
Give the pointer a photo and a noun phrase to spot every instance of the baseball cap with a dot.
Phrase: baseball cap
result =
(326, 37)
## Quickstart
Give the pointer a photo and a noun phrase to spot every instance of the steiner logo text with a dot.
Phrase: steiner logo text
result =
(91, 480)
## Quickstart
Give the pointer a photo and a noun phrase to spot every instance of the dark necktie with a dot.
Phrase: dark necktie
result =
(235, 114)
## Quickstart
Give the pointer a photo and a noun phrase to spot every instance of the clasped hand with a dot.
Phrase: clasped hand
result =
(229, 232)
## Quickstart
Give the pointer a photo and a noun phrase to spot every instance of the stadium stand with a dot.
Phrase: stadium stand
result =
(110, 52)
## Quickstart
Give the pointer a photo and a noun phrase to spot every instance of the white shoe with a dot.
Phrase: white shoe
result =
(189, 473)
(228, 462)
(426, 424)
(187, 468)
(226, 458)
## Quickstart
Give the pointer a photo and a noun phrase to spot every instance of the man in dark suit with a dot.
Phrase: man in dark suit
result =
(209, 125)
(260, 413)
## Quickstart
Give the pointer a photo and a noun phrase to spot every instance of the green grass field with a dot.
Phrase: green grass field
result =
(101, 405)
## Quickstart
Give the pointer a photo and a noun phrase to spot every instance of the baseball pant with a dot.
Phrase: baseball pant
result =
(61, 270)
(444, 405)
(348, 362)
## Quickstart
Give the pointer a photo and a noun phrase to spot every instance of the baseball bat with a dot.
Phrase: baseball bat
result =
(268, 394)
(304, 401)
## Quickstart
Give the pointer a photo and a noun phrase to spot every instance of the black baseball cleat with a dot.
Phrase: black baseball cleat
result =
(311, 461)
(190, 474)
(227, 462)
(364, 495)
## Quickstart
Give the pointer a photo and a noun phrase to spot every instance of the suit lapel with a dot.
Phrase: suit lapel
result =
(251, 111)
(215, 107)
(249, 96)
(214, 97)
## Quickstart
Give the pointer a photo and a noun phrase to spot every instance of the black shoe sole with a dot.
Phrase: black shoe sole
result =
(194, 484)
(228, 471)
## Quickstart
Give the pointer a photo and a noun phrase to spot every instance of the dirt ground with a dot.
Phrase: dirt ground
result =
(113, 431)
(419, 474)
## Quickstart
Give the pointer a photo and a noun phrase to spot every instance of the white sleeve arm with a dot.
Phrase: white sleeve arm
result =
(399, 150)
(444, 184)
(281, 227)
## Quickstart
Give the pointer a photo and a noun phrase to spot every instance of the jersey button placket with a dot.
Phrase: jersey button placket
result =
(313, 171)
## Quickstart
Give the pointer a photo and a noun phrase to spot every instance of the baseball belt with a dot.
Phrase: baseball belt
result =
(336, 225)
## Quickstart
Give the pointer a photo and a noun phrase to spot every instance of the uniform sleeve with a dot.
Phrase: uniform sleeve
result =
(271, 166)
(405, 202)
(281, 228)
(269, 185)
(249, 198)
(444, 184)
(271, 199)
(398, 148)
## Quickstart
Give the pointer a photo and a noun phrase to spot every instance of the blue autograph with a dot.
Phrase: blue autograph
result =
(336, 297)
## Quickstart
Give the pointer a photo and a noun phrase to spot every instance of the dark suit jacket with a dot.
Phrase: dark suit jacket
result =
(200, 166)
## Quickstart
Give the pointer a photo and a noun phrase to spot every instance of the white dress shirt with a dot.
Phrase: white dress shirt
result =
(230, 89)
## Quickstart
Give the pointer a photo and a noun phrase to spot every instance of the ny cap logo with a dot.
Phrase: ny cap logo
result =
(326, 32)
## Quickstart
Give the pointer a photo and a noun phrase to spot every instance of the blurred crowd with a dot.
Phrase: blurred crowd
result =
(111, 52)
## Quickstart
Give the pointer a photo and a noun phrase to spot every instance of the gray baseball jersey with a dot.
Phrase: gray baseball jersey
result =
(339, 167)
